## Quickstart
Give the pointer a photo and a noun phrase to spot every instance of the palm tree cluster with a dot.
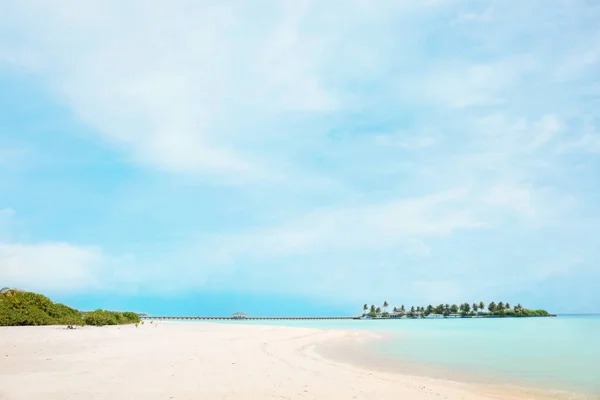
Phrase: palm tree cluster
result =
(464, 309)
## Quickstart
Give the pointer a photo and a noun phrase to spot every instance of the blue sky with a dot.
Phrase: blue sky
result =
(300, 157)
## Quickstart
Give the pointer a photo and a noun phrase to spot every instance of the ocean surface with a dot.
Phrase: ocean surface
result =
(561, 353)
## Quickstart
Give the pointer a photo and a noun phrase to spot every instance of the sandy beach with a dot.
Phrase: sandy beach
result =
(201, 361)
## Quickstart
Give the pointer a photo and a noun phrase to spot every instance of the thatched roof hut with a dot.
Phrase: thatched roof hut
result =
(239, 315)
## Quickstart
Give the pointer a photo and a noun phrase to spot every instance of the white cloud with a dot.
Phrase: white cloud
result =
(401, 141)
(463, 85)
(588, 142)
(518, 135)
(356, 229)
(544, 130)
(181, 87)
(49, 266)
(474, 17)
(519, 199)
(584, 57)
(52, 266)
(61, 267)
(172, 85)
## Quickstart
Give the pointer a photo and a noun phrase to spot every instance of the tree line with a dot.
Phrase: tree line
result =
(19, 308)
(464, 310)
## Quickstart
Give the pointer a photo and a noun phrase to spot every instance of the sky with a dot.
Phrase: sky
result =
(300, 157)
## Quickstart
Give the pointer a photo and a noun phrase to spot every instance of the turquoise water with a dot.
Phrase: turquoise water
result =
(560, 353)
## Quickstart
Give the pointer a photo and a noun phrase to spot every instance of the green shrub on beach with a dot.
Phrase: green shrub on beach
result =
(131, 317)
(26, 308)
(104, 317)
(100, 318)
(18, 308)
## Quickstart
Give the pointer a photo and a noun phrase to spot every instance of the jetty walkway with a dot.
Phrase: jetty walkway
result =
(147, 317)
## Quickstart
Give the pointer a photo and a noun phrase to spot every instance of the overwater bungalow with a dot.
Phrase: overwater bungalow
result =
(239, 315)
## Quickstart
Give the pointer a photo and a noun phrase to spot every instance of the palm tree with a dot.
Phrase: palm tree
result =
(481, 305)
(447, 310)
(475, 307)
(500, 306)
(507, 306)
(518, 308)
(395, 310)
(372, 308)
(378, 310)
(385, 305)
(429, 309)
(402, 309)
(454, 308)
(365, 308)
(492, 307)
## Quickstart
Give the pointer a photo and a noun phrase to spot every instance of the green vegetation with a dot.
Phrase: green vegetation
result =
(464, 310)
(26, 308)
(104, 317)
(19, 308)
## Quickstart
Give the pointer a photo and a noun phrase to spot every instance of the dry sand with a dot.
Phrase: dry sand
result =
(199, 361)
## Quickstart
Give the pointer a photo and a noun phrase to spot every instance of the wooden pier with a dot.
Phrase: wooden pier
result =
(200, 318)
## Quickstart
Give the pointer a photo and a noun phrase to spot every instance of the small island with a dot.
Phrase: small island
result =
(464, 310)
(20, 308)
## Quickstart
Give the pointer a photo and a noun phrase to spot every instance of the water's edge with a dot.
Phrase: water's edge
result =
(359, 354)
(559, 355)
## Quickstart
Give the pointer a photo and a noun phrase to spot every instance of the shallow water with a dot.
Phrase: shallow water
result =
(560, 353)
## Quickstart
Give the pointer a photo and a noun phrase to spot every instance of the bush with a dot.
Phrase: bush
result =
(27, 308)
(119, 317)
(104, 317)
(538, 313)
(131, 317)
(66, 315)
(100, 318)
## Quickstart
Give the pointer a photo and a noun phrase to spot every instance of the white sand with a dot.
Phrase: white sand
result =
(198, 361)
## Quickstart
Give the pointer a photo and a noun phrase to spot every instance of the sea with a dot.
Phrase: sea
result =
(556, 353)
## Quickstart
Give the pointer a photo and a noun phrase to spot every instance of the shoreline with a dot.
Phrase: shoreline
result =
(205, 360)
(359, 355)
